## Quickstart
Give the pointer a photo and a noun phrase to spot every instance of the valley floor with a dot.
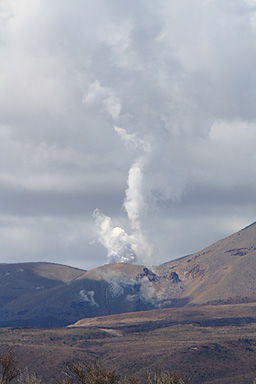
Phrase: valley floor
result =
(206, 345)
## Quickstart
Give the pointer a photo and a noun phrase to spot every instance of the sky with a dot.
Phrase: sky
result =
(126, 128)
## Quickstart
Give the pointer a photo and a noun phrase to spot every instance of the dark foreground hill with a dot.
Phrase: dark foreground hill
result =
(51, 295)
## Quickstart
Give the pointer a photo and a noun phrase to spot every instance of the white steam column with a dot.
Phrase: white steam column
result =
(121, 247)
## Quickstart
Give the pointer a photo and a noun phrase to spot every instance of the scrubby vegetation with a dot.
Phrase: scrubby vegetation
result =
(96, 373)
(26, 377)
(81, 373)
(8, 367)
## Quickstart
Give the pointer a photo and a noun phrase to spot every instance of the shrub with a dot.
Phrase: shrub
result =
(82, 373)
(27, 377)
(8, 367)
(88, 373)
(159, 377)
(96, 373)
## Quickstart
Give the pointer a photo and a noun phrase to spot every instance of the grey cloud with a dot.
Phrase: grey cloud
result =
(36, 203)
(180, 75)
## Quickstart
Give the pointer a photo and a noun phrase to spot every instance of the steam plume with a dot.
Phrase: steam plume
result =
(115, 240)
(122, 247)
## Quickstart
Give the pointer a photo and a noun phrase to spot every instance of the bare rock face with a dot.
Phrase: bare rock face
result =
(153, 277)
(149, 274)
(174, 277)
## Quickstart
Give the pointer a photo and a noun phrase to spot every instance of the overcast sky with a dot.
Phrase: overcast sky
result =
(91, 91)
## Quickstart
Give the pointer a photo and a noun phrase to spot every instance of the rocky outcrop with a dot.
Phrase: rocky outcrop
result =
(149, 274)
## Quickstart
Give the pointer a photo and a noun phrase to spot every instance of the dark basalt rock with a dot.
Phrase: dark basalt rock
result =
(149, 274)
(174, 277)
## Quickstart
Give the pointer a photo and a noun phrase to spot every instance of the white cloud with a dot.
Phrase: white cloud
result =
(178, 78)
(113, 106)
(97, 94)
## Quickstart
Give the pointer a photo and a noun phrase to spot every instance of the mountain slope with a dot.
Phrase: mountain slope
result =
(223, 272)
(63, 304)
(51, 295)
(22, 281)
(220, 274)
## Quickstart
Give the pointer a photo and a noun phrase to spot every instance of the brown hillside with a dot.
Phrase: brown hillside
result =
(223, 272)
(109, 271)
(56, 271)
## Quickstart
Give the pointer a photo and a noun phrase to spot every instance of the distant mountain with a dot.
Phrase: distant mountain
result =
(52, 295)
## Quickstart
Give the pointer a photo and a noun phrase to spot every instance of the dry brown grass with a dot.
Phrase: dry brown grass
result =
(201, 353)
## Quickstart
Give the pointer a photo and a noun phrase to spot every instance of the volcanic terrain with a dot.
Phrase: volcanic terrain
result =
(51, 295)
